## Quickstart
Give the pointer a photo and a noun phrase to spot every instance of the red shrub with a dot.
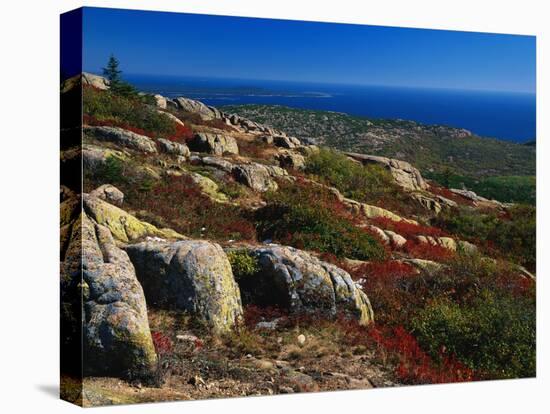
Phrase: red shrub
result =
(445, 192)
(519, 286)
(90, 120)
(163, 344)
(407, 230)
(254, 314)
(427, 251)
(399, 348)
(413, 365)
(389, 285)
(182, 134)
(183, 206)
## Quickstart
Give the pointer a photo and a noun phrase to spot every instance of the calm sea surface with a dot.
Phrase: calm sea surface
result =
(508, 116)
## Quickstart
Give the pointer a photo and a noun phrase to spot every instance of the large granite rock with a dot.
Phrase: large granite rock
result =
(197, 107)
(115, 334)
(122, 137)
(123, 226)
(291, 159)
(173, 148)
(109, 193)
(190, 275)
(172, 117)
(296, 280)
(95, 156)
(160, 101)
(370, 211)
(209, 187)
(403, 173)
(284, 141)
(217, 144)
(85, 79)
(99, 82)
(259, 177)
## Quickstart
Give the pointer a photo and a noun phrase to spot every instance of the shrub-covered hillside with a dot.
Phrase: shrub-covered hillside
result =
(493, 168)
(250, 261)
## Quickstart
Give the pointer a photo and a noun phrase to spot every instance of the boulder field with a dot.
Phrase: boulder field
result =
(123, 265)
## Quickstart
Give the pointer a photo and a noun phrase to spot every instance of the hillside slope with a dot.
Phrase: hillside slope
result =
(260, 263)
(430, 148)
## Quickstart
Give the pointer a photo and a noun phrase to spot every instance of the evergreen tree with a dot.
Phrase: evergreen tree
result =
(112, 72)
(113, 75)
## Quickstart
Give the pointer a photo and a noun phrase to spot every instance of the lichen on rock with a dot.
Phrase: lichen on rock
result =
(294, 279)
(191, 275)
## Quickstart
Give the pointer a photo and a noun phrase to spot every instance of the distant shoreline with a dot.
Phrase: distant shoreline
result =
(508, 116)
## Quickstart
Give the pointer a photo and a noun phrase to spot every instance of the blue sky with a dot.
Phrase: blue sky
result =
(214, 46)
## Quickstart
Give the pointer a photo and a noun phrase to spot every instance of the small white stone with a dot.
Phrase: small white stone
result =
(301, 339)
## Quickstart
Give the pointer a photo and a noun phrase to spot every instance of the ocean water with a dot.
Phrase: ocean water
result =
(507, 116)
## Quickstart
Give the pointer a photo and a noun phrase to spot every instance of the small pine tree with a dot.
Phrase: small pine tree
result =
(112, 72)
(113, 75)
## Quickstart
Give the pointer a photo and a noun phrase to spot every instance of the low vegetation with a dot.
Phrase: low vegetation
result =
(175, 202)
(473, 311)
(495, 334)
(368, 184)
(361, 183)
(466, 317)
(509, 189)
(506, 169)
(129, 112)
(511, 235)
(311, 218)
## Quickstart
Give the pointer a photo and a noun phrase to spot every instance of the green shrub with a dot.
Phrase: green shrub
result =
(232, 189)
(509, 188)
(494, 334)
(313, 219)
(352, 179)
(513, 234)
(111, 171)
(127, 111)
(243, 263)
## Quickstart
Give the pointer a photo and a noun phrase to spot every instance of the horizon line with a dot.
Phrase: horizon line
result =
(522, 92)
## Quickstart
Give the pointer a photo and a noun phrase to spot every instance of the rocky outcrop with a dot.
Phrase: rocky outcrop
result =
(467, 247)
(197, 107)
(424, 265)
(284, 141)
(381, 234)
(216, 162)
(396, 240)
(94, 156)
(296, 280)
(371, 212)
(403, 173)
(447, 242)
(291, 159)
(477, 199)
(190, 275)
(217, 144)
(109, 193)
(172, 117)
(121, 137)
(259, 177)
(160, 101)
(116, 339)
(173, 148)
(123, 226)
(85, 79)
(208, 187)
(429, 203)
